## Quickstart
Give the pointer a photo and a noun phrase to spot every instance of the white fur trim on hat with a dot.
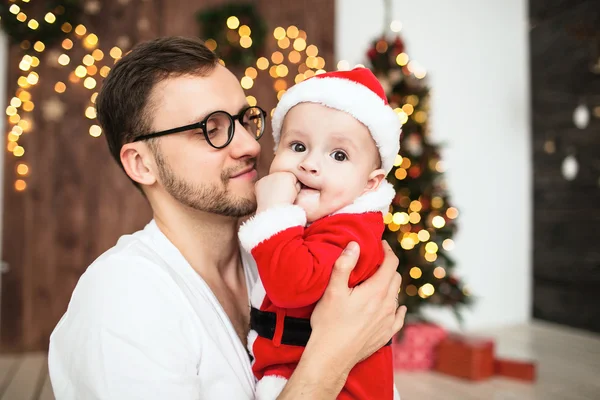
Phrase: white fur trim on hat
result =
(270, 387)
(350, 97)
(268, 223)
(377, 200)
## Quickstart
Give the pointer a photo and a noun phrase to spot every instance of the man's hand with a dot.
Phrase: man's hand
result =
(275, 189)
(356, 322)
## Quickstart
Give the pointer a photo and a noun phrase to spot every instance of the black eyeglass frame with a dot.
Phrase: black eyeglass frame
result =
(202, 125)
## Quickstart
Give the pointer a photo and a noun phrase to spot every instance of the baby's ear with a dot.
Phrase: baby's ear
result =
(375, 179)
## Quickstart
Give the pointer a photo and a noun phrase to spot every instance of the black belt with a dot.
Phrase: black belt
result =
(296, 331)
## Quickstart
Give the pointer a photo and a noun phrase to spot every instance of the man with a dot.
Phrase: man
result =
(164, 314)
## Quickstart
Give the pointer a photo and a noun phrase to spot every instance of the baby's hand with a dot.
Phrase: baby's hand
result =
(275, 189)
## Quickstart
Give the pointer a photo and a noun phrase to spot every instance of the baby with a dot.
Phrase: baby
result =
(336, 139)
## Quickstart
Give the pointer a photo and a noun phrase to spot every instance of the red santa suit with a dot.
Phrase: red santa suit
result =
(294, 263)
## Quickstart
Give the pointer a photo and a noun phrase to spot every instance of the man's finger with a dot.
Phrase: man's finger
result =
(399, 320)
(344, 265)
(395, 285)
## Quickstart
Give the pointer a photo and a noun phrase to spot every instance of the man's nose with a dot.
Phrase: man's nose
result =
(244, 143)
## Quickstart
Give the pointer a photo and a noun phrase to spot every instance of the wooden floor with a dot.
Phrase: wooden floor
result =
(568, 369)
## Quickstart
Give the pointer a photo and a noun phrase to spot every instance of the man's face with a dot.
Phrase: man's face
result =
(219, 181)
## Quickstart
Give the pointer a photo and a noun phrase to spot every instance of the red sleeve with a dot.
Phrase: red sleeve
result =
(295, 263)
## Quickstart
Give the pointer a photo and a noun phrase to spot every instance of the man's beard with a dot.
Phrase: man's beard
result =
(211, 199)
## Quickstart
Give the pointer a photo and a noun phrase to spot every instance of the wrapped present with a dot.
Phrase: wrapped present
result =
(517, 369)
(466, 357)
(415, 348)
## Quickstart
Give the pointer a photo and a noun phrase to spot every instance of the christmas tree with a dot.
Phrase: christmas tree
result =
(421, 221)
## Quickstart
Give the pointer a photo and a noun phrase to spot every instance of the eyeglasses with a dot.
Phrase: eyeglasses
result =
(219, 126)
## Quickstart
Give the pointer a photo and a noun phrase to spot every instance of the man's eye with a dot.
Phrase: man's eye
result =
(298, 147)
(339, 156)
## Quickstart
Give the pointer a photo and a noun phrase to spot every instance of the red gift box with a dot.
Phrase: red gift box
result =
(466, 357)
(415, 348)
(523, 370)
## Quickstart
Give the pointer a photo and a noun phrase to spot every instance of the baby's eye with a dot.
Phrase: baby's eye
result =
(298, 147)
(339, 156)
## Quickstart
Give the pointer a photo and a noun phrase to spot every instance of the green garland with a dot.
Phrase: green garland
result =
(48, 33)
(213, 25)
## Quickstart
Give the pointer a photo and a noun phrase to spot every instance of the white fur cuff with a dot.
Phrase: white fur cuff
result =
(269, 223)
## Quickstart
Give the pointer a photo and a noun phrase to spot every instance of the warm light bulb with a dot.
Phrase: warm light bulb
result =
(15, 9)
(20, 185)
(448, 244)
(104, 71)
(415, 272)
(294, 57)
(246, 42)
(247, 82)
(22, 169)
(262, 63)
(244, 30)
(312, 51)
(95, 131)
(89, 83)
(233, 22)
(33, 24)
(299, 44)
(387, 218)
(452, 213)
(415, 205)
(424, 235)
(343, 65)
(80, 30)
(18, 151)
(28, 106)
(282, 70)
(292, 32)
(251, 72)
(60, 87)
(402, 59)
(439, 272)
(66, 27)
(426, 290)
(116, 53)
(50, 18)
(211, 44)
(431, 247)
(90, 112)
(277, 57)
(283, 43)
(438, 221)
(396, 26)
(63, 59)
(279, 33)
(430, 257)
(97, 55)
(251, 100)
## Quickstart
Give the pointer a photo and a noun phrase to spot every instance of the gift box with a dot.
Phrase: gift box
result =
(416, 347)
(517, 369)
(466, 357)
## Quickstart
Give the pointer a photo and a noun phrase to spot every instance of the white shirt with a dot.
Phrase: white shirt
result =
(142, 324)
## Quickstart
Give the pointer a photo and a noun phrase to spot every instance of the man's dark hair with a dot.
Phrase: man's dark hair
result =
(122, 105)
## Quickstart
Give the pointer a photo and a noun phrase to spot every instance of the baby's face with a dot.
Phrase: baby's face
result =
(331, 153)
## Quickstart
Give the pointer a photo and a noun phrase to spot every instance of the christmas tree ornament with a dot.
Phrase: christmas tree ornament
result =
(570, 167)
(581, 116)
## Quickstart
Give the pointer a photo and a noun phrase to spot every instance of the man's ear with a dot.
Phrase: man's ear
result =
(375, 179)
(138, 161)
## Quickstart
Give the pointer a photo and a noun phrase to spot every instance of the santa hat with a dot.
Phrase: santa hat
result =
(356, 92)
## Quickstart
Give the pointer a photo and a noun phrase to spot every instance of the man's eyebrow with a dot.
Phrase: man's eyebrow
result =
(204, 115)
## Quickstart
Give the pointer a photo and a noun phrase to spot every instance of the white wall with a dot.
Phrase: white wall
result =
(476, 56)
